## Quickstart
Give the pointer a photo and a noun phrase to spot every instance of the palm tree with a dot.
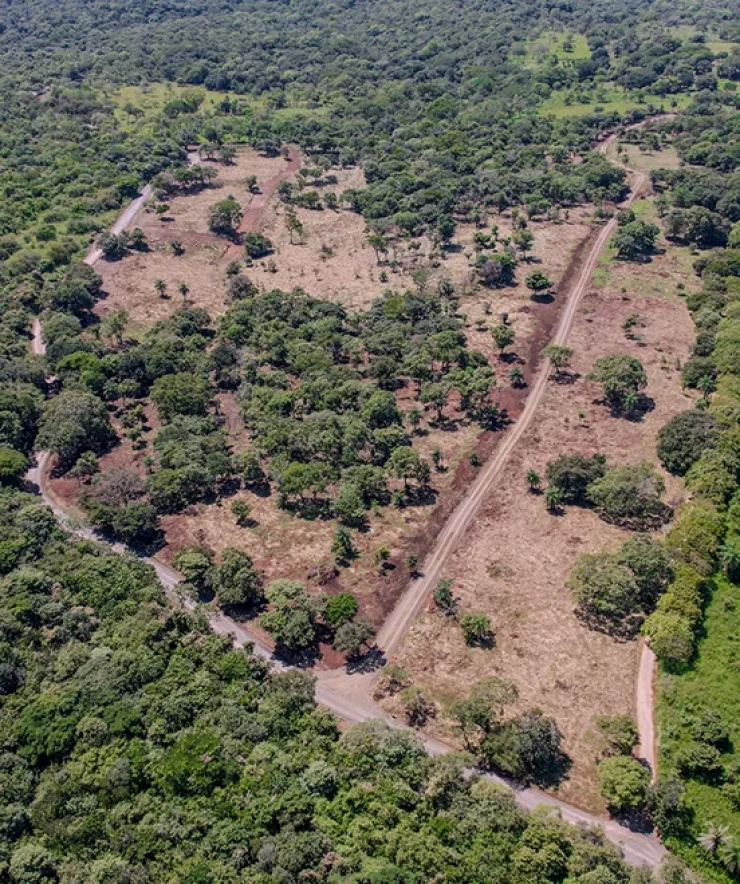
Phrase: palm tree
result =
(160, 286)
(730, 559)
(729, 856)
(714, 839)
(534, 481)
(553, 499)
(184, 291)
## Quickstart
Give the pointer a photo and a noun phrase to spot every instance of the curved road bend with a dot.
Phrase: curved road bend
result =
(639, 849)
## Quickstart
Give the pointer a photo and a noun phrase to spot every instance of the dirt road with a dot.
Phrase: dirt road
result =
(639, 849)
(410, 603)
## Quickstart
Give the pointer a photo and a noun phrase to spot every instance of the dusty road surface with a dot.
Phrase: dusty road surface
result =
(411, 602)
(353, 705)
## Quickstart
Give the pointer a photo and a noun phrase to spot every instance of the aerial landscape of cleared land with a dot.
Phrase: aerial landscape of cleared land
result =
(370, 442)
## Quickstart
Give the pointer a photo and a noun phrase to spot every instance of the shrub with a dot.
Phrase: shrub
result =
(699, 761)
(624, 783)
(417, 705)
(340, 608)
(668, 808)
(629, 495)
(571, 474)
(709, 727)
(685, 438)
(671, 638)
(476, 629)
(256, 245)
(605, 592)
(618, 734)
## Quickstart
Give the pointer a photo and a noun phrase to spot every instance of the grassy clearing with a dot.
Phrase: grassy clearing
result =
(720, 46)
(712, 683)
(137, 106)
(556, 43)
(567, 103)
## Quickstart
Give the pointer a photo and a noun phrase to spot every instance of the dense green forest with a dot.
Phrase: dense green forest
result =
(134, 745)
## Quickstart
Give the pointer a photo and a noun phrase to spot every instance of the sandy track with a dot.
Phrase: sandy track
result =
(639, 849)
(411, 602)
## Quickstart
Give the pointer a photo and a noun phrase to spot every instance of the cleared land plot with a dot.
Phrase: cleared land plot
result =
(516, 559)
(129, 283)
(286, 545)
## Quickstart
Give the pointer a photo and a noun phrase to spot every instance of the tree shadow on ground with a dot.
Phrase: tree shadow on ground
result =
(371, 661)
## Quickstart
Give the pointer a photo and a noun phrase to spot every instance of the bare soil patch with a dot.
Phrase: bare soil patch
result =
(129, 283)
(517, 557)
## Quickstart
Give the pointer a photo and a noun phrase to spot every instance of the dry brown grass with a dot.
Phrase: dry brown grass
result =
(515, 561)
(283, 544)
(129, 283)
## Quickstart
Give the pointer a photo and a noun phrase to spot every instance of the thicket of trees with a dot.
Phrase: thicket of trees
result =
(138, 746)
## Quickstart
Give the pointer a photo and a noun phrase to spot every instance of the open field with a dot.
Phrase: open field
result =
(283, 545)
(129, 283)
(611, 99)
(515, 561)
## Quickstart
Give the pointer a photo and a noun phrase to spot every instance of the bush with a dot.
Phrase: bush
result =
(685, 438)
(710, 728)
(256, 245)
(699, 761)
(476, 629)
(667, 805)
(671, 638)
(618, 734)
(629, 495)
(605, 592)
(571, 474)
(624, 783)
(340, 608)
(417, 705)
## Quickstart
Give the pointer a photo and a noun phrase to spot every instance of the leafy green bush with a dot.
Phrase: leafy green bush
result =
(685, 438)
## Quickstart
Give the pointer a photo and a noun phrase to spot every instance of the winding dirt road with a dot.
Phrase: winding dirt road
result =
(638, 848)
